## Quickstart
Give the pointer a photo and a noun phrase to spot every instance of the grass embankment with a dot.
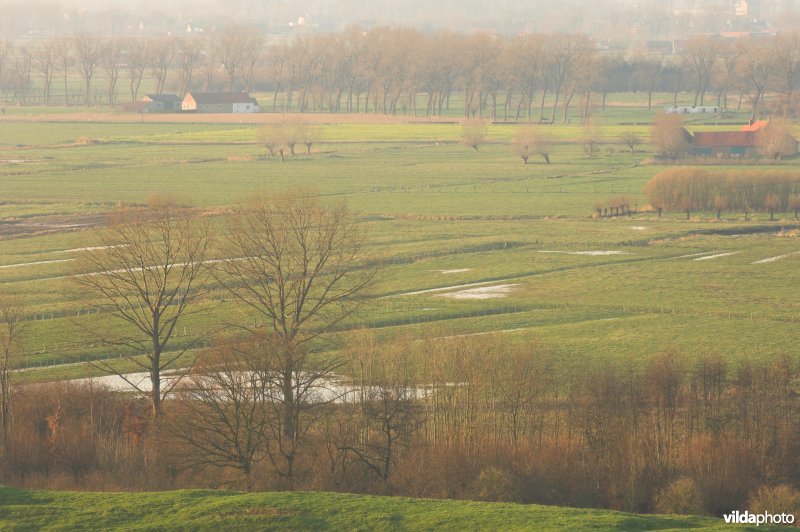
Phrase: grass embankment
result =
(216, 510)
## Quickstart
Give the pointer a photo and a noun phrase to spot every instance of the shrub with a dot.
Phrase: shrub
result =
(681, 496)
(775, 500)
(495, 484)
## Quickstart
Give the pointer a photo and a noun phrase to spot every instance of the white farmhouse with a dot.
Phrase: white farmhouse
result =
(220, 102)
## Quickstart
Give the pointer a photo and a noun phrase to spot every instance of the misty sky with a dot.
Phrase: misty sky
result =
(603, 19)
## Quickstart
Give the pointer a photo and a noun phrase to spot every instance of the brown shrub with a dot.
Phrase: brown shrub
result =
(496, 485)
(776, 500)
(681, 496)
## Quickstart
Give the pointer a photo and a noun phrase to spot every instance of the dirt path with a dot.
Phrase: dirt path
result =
(224, 118)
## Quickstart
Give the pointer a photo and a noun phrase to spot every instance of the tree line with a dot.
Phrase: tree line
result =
(697, 190)
(470, 417)
(395, 70)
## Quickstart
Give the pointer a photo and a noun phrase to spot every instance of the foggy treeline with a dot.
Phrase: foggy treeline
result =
(538, 77)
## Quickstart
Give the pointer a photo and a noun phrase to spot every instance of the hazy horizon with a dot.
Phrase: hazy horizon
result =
(613, 19)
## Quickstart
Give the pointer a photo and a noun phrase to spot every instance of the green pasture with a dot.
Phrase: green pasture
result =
(219, 510)
(439, 215)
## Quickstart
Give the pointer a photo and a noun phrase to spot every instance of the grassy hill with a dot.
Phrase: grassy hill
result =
(219, 510)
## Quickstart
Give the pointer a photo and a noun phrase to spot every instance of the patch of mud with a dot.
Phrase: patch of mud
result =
(43, 225)
(482, 292)
(718, 255)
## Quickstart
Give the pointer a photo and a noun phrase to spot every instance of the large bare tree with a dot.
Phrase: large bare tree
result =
(298, 264)
(137, 60)
(190, 54)
(162, 53)
(145, 269)
(11, 328)
(222, 417)
(45, 60)
(111, 61)
(87, 54)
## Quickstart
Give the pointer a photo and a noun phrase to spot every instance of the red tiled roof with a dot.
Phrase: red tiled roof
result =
(758, 125)
(726, 139)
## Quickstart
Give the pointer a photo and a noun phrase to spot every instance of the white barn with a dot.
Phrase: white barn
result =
(220, 102)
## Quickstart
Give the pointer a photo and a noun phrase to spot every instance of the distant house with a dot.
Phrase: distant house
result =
(725, 143)
(220, 102)
(161, 103)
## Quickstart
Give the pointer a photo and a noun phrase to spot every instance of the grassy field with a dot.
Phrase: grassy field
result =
(214, 510)
(439, 215)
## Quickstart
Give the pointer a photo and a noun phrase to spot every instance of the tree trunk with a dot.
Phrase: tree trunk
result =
(155, 372)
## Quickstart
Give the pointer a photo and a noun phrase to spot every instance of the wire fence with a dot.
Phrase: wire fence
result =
(49, 353)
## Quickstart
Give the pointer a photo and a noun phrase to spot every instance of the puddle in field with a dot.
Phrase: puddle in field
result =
(20, 265)
(334, 388)
(718, 255)
(482, 292)
(458, 270)
(777, 257)
(90, 248)
(639, 228)
(694, 255)
(591, 253)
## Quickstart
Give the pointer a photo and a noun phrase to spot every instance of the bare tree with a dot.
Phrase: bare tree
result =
(87, 54)
(772, 203)
(539, 142)
(137, 60)
(701, 55)
(384, 406)
(209, 63)
(111, 61)
(252, 58)
(632, 140)
(162, 53)
(793, 203)
(230, 46)
(11, 329)
(299, 267)
(269, 135)
(668, 134)
(45, 59)
(524, 143)
(190, 51)
(146, 269)
(591, 136)
(473, 133)
(23, 61)
(776, 142)
(786, 57)
(756, 68)
(64, 57)
(5, 50)
(222, 417)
